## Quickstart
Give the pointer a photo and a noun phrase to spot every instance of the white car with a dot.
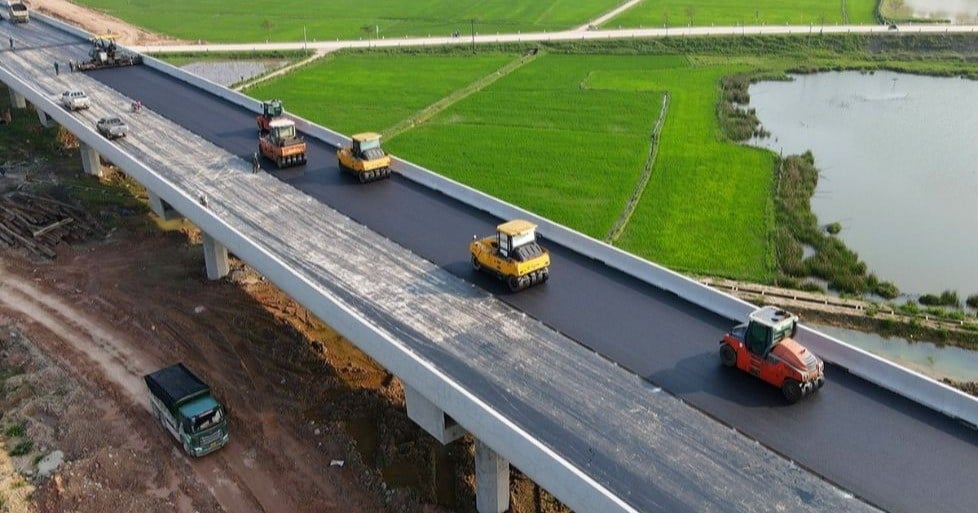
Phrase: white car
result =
(112, 127)
(75, 100)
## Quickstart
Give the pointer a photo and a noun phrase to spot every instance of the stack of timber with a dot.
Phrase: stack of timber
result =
(39, 224)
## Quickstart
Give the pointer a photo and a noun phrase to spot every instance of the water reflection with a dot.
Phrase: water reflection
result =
(924, 357)
(897, 157)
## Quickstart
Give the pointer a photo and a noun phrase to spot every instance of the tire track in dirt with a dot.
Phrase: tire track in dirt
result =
(124, 369)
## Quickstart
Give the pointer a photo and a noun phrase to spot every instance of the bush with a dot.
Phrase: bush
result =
(950, 298)
(22, 448)
(834, 228)
(15, 431)
(947, 298)
(910, 308)
(886, 290)
(811, 286)
(972, 301)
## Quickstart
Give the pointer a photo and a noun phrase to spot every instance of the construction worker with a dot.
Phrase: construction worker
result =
(71, 65)
(255, 165)
(11, 43)
(56, 72)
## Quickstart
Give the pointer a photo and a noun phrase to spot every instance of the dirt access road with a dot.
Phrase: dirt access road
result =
(110, 314)
(98, 22)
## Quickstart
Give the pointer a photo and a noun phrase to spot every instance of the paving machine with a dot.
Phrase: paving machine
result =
(512, 255)
(365, 159)
(106, 54)
(765, 347)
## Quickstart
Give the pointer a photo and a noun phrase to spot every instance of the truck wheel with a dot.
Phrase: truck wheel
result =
(728, 356)
(475, 263)
(791, 390)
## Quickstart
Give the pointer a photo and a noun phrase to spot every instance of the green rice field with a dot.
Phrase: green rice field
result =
(680, 13)
(220, 21)
(547, 137)
(567, 136)
(369, 93)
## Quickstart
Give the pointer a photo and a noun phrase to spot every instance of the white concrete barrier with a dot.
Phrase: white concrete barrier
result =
(888, 375)
(574, 487)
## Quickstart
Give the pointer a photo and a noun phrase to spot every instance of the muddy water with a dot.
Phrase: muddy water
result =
(229, 72)
(898, 163)
(956, 11)
(924, 357)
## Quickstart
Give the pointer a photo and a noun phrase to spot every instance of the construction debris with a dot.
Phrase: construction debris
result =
(40, 224)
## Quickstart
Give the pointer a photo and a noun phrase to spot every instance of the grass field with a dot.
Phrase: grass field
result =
(549, 137)
(567, 134)
(707, 207)
(680, 13)
(233, 21)
(359, 93)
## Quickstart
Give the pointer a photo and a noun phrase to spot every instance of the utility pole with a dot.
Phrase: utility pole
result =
(473, 35)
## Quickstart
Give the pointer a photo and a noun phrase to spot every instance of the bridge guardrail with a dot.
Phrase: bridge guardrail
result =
(917, 387)
(531, 455)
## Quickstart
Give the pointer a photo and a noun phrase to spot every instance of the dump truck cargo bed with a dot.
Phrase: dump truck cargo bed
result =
(175, 384)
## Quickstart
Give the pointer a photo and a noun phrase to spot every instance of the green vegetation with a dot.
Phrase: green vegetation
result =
(15, 430)
(370, 92)
(21, 448)
(947, 298)
(680, 13)
(566, 136)
(972, 301)
(184, 58)
(233, 21)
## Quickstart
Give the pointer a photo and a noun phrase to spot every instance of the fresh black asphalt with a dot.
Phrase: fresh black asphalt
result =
(882, 447)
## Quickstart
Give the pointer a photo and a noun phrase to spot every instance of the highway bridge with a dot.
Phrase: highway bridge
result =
(603, 385)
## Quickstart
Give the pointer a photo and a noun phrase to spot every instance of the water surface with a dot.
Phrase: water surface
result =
(956, 11)
(924, 357)
(898, 156)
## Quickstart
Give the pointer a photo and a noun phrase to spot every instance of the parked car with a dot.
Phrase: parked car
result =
(75, 100)
(112, 127)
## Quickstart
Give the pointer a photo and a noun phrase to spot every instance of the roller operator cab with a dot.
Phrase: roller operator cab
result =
(270, 110)
(365, 159)
(765, 347)
(282, 145)
(513, 255)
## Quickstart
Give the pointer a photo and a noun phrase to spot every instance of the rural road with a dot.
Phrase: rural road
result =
(568, 35)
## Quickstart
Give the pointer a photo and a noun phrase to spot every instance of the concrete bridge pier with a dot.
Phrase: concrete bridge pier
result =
(491, 480)
(91, 161)
(491, 469)
(46, 120)
(216, 258)
(161, 208)
(17, 100)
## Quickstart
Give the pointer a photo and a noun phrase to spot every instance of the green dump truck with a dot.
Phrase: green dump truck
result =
(184, 405)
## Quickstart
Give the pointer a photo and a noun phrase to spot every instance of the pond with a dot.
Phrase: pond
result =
(897, 160)
(924, 357)
(226, 73)
(956, 11)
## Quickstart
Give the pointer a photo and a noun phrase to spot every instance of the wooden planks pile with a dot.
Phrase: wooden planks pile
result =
(39, 224)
